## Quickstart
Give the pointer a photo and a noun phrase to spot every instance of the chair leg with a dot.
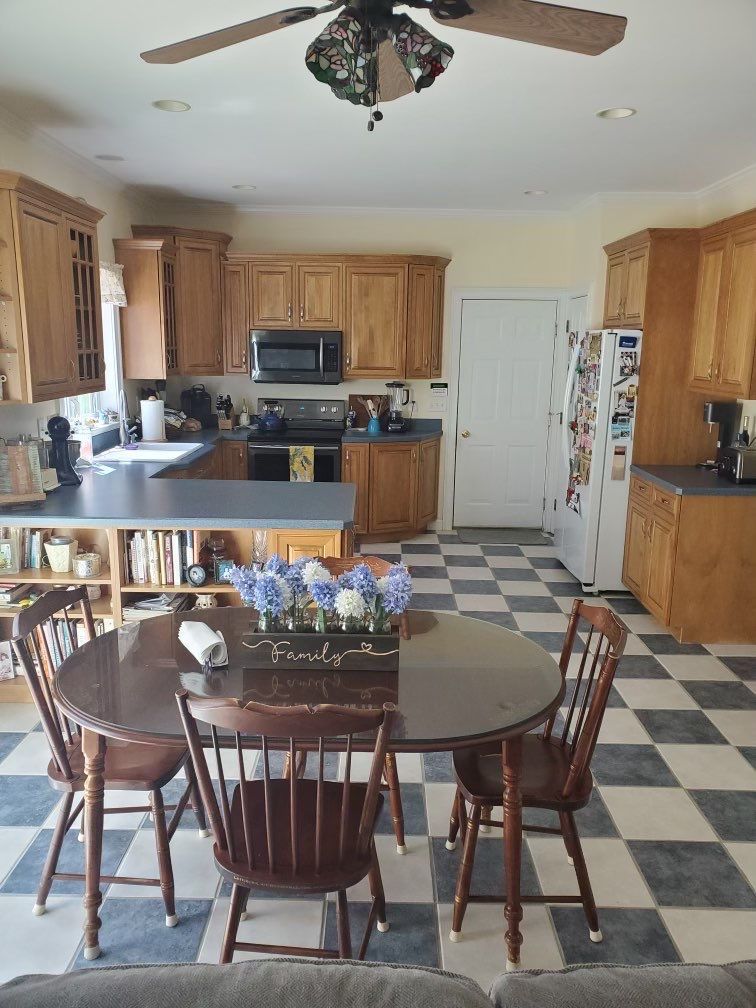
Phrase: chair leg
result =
(376, 891)
(238, 895)
(342, 925)
(395, 800)
(485, 813)
(80, 835)
(451, 840)
(244, 915)
(462, 813)
(575, 850)
(196, 800)
(462, 895)
(165, 867)
(51, 862)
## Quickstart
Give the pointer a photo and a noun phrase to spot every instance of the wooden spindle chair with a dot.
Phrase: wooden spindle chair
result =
(380, 567)
(41, 645)
(556, 764)
(296, 835)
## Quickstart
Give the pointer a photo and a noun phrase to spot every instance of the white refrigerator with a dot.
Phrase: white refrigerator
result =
(596, 447)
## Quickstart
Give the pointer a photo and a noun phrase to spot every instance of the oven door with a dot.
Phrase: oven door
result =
(269, 461)
(294, 358)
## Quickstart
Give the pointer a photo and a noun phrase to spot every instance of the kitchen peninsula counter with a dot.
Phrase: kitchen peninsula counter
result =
(693, 481)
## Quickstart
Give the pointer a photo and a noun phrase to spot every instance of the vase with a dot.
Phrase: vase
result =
(379, 625)
(321, 621)
(266, 622)
(351, 625)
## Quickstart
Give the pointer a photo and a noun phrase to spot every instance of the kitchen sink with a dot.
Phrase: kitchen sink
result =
(149, 451)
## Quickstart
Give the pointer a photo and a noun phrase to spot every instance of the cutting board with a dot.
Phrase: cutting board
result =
(381, 401)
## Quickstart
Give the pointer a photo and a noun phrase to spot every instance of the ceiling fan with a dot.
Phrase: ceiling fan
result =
(370, 53)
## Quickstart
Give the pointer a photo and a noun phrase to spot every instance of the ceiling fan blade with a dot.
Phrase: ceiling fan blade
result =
(212, 41)
(394, 81)
(580, 31)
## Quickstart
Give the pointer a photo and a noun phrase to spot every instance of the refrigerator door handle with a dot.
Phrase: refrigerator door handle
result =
(568, 395)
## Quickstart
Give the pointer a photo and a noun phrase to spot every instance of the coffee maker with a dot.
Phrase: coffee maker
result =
(726, 416)
(399, 396)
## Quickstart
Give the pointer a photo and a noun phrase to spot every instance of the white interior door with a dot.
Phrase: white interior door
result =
(506, 364)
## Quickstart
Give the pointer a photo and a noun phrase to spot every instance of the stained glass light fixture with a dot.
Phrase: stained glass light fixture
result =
(366, 66)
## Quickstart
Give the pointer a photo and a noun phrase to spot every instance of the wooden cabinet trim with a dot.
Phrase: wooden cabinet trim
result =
(235, 309)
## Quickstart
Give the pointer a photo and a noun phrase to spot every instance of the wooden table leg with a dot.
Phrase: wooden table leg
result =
(512, 767)
(93, 747)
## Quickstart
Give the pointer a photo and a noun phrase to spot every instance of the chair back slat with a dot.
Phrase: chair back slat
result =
(204, 781)
(604, 646)
(40, 652)
(297, 805)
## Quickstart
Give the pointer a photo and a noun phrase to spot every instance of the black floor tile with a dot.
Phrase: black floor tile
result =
(413, 806)
(745, 668)
(409, 549)
(412, 937)
(473, 586)
(488, 870)
(503, 619)
(514, 574)
(640, 667)
(680, 726)
(490, 550)
(631, 766)
(564, 589)
(721, 695)
(420, 571)
(438, 767)
(626, 605)
(690, 874)
(731, 813)
(666, 644)
(592, 821)
(26, 875)
(429, 600)
(750, 754)
(549, 640)
(631, 937)
(8, 742)
(448, 537)
(461, 560)
(25, 800)
(532, 603)
(614, 700)
(546, 563)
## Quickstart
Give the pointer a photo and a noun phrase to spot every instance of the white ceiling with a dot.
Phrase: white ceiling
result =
(505, 117)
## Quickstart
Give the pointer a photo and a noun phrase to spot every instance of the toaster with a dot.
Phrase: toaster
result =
(737, 464)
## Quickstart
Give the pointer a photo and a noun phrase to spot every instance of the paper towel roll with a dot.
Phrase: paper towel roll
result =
(153, 419)
(203, 643)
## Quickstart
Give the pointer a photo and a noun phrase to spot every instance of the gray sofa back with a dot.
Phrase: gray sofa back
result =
(262, 983)
(676, 986)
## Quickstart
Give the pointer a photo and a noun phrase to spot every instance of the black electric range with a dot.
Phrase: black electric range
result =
(316, 422)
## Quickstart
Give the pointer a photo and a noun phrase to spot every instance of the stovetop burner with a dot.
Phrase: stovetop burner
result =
(306, 421)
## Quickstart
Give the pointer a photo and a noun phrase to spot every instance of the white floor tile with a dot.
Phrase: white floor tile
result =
(538, 551)
(651, 813)
(635, 646)
(461, 549)
(524, 588)
(409, 766)
(709, 766)
(270, 922)
(522, 563)
(44, 944)
(438, 804)
(18, 717)
(31, 756)
(229, 762)
(639, 623)
(622, 727)
(421, 559)
(435, 586)
(541, 622)
(654, 694)
(481, 603)
(13, 842)
(615, 879)
(712, 936)
(482, 951)
(406, 877)
(115, 820)
(424, 537)
(733, 650)
(690, 667)
(554, 574)
(471, 573)
(368, 549)
(565, 602)
(194, 873)
(744, 856)
(737, 726)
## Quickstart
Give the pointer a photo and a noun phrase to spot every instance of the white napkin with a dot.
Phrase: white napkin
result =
(203, 643)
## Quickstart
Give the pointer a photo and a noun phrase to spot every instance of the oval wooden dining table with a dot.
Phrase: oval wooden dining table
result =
(461, 682)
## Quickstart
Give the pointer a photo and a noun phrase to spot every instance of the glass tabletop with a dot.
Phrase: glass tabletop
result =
(460, 680)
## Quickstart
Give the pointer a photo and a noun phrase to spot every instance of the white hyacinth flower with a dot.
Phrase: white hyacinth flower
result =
(315, 571)
(349, 604)
(288, 595)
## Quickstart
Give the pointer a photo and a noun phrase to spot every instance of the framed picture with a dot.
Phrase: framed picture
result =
(7, 668)
(8, 557)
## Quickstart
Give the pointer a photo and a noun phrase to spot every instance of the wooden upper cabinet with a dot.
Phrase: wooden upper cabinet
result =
(319, 296)
(706, 324)
(200, 326)
(393, 486)
(50, 311)
(437, 336)
(272, 295)
(235, 317)
(149, 328)
(356, 469)
(420, 319)
(197, 282)
(376, 321)
(625, 297)
(735, 367)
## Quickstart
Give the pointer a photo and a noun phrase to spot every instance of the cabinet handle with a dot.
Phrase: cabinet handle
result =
(348, 360)
(72, 363)
(217, 356)
(425, 361)
(289, 312)
(244, 358)
(301, 313)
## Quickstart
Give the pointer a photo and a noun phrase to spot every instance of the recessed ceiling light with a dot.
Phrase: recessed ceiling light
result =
(170, 105)
(109, 157)
(616, 113)
(536, 192)
(244, 187)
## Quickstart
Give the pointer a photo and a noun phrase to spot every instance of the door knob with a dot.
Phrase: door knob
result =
(465, 434)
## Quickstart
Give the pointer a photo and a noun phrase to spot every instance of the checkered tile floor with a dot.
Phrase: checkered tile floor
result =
(670, 835)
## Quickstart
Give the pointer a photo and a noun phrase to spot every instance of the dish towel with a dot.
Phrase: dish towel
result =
(203, 643)
(301, 463)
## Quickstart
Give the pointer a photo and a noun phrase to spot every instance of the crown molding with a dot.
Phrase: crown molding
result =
(209, 207)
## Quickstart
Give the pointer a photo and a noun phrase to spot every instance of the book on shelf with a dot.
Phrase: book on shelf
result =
(159, 557)
(11, 595)
(156, 605)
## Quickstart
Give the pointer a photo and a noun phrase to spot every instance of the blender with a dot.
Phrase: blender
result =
(399, 395)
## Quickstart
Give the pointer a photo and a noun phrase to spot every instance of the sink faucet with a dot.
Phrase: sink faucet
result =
(127, 433)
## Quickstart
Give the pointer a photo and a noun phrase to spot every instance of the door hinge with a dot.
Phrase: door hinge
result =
(543, 506)
(555, 503)
(567, 327)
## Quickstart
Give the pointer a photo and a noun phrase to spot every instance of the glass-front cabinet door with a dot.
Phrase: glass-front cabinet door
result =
(89, 370)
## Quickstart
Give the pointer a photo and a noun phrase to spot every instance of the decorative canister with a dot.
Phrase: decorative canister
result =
(87, 565)
(60, 552)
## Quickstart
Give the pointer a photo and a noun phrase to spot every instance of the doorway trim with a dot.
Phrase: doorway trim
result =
(459, 295)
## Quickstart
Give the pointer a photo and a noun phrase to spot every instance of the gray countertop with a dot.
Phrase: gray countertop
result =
(421, 430)
(134, 496)
(692, 481)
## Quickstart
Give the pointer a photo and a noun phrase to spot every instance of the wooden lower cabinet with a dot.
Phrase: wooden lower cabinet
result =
(233, 460)
(397, 485)
(691, 560)
(306, 542)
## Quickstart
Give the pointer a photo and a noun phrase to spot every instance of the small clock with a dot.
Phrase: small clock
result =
(197, 575)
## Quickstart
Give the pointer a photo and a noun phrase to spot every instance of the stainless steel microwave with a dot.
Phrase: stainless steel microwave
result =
(295, 357)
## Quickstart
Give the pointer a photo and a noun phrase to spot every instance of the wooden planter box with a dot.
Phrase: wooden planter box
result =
(337, 652)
